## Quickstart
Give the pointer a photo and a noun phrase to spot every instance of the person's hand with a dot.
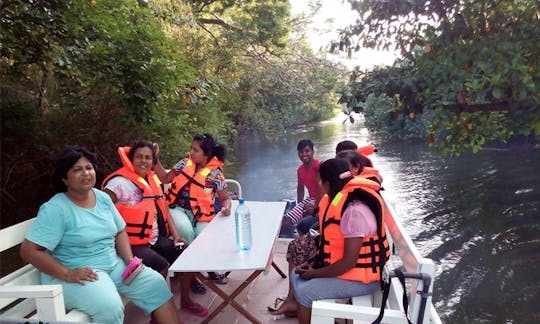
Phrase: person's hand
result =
(309, 209)
(226, 211)
(305, 271)
(80, 275)
(180, 239)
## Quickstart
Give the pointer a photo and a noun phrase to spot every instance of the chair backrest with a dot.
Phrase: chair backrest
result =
(237, 184)
(14, 235)
(27, 275)
(413, 262)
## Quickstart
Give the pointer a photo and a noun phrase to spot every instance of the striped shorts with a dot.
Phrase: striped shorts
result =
(296, 213)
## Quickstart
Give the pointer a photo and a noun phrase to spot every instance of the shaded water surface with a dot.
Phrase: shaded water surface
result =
(476, 216)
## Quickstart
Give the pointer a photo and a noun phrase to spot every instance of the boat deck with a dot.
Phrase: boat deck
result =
(256, 297)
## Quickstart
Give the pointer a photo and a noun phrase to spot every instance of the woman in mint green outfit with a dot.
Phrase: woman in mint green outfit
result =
(78, 241)
(196, 182)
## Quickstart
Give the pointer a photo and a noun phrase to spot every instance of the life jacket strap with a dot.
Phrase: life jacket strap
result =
(155, 197)
(141, 234)
(191, 180)
(386, 291)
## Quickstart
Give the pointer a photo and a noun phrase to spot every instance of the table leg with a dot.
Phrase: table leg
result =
(278, 270)
(276, 267)
(229, 299)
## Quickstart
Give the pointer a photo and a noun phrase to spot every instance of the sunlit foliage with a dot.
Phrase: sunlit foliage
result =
(473, 65)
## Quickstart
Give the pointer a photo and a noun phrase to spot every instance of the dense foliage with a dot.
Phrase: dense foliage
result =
(104, 73)
(470, 67)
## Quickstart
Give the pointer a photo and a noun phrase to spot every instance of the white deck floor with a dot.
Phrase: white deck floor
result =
(256, 297)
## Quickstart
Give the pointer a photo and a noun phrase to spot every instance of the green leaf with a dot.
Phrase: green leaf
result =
(496, 93)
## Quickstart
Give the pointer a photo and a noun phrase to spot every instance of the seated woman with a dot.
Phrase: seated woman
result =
(136, 193)
(195, 181)
(79, 241)
(304, 247)
(353, 248)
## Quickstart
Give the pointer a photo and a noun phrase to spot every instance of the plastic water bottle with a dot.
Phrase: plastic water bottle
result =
(242, 219)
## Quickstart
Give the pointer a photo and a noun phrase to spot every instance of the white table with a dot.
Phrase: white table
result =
(215, 250)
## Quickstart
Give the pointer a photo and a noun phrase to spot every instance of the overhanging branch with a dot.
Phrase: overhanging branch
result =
(488, 107)
(217, 21)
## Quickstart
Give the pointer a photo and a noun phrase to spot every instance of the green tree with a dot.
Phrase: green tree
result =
(104, 73)
(244, 46)
(76, 73)
(471, 64)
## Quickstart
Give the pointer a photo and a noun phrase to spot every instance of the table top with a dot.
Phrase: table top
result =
(215, 248)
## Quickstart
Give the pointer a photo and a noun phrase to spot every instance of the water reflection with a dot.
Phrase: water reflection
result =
(476, 216)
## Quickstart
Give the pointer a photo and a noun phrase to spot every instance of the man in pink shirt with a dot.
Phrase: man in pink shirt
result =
(308, 177)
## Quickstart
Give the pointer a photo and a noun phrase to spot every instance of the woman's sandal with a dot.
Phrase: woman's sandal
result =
(198, 288)
(218, 278)
(277, 304)
(195, 309)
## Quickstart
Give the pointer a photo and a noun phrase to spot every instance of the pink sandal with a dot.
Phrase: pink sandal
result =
(196, 309)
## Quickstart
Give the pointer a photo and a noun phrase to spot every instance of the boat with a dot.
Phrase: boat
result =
(264, 290)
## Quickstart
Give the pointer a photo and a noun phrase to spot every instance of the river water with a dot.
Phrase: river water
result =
(477, 216)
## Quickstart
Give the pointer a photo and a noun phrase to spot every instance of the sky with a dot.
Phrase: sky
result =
(333, 15)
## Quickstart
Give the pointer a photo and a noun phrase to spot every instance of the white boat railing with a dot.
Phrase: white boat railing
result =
(365, 309)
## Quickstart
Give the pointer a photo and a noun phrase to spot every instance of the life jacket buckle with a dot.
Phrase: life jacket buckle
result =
(387, 273)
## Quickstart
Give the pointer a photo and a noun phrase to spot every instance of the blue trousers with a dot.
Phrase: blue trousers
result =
(307, 291)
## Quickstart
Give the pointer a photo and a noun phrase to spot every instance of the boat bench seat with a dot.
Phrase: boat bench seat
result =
(362, 309)
(22, 296)
(365, 309)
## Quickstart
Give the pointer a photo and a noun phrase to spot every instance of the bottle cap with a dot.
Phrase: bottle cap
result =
(241, 201)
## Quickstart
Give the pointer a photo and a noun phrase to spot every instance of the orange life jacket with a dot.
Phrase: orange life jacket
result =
(374, 251)
(371, 174)
(139, 218)
(366, 150)
(201, 198)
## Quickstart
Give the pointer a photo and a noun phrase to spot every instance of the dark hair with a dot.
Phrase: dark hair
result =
(330, 170)
(65, 161)
(356, 159)
(346, 145)
(211, 147)
(303, 143)
(139, 144)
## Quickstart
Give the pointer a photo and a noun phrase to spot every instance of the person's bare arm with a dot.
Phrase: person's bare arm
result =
(123, 248)
(351, 247)
(46, 263)
(111, 194)
(225, 201)
(162, 174)
(300, 193)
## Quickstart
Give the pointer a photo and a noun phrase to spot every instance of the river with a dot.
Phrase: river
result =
(477, 216)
